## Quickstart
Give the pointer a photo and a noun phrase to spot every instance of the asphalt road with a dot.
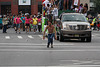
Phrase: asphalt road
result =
(28, 49)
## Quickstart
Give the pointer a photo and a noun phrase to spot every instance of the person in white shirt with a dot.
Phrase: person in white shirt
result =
(55, 14)
(76, 9)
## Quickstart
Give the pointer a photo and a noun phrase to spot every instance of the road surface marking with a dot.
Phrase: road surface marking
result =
(83, 62)
(58, 66)
(7, 37)
(55, 44)
(30, 37)
(96, 63)
(20, 37)
(27, 50)
(41, 36)
(93, 35)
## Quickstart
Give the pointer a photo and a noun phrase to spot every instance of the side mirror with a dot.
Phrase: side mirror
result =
(58, 20)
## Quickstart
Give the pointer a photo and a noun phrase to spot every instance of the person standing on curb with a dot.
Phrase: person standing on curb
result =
(14, 22)
(0, 21)
(27, 23)
(18, 21)
(23, 22)
(35, 21)
(5, 22)
(51, 30)
(39, 23)
(31, 22)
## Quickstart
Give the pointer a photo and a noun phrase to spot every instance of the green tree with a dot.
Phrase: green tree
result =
(97, 5)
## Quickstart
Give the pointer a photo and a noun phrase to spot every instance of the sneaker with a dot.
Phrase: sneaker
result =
(51, 46)
(48, 46)
(19, 33)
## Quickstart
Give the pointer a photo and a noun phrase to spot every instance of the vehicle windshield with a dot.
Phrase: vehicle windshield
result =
(72, 17)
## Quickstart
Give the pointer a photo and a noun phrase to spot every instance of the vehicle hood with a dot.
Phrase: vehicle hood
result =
(76, 23)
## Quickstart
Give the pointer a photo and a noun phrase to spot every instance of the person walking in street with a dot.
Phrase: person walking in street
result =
(98, 24)
(5, 22)
(18, 21)
(23, 22)
(94, 22)
(27, 23)
(0, 21)
(35, 21)
(51, 30)
(39, 23)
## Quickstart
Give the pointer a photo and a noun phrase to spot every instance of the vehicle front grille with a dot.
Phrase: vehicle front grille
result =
(78, 27)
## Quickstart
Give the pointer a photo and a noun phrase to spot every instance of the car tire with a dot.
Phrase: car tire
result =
(88, 39)
(61, 38)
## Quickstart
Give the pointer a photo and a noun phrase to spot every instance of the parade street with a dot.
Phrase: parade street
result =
(28, 49)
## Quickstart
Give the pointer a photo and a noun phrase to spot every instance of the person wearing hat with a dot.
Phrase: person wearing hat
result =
(0, 21)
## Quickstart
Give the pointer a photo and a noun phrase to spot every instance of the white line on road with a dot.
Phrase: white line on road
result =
(20, 37)
(26, 50)
(30, 37)
(7, 37)
(41, 36)
(64, 44)
(58, 66)
(56, 46)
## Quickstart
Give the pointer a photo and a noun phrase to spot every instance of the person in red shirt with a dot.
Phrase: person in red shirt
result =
(39, 23)
(18, 21)
(27, 23)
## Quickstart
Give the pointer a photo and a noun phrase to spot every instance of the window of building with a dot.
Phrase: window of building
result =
(40, 7)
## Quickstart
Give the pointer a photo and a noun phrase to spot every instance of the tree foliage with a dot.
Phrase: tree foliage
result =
(97, 5)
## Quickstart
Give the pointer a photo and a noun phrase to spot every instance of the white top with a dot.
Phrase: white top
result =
(55, 12)
(46, 2)
(76, 9)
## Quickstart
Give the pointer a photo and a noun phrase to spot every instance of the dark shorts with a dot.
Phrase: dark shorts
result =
(1, 25)
(14, 25)
(17, 25)
(27, 24)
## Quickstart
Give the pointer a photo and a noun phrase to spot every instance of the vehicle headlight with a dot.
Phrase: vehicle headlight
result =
(64, 26)
(88, 26)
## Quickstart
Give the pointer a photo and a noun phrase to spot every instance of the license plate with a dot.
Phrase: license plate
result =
(76, 35)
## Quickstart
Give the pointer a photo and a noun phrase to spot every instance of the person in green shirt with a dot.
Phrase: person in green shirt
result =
(23, 22)
(0, 21)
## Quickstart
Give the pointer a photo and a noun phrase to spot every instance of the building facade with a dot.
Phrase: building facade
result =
(16, 6)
